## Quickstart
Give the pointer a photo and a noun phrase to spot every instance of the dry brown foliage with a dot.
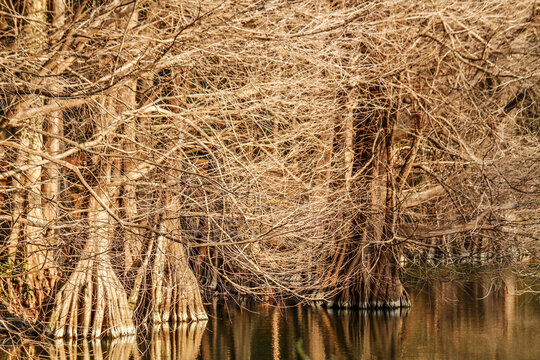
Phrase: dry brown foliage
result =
(243, 135)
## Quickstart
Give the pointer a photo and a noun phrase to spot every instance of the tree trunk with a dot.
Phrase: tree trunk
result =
(26, 240)
(93, 298)
(165, 288)
(371, 270)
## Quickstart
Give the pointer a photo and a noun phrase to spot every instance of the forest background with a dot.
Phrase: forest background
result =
(159, 153)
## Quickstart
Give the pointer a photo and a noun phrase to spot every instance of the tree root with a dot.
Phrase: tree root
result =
(92, 299)
(174, 292)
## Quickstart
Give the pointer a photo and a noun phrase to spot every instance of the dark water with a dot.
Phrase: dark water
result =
(479, 319)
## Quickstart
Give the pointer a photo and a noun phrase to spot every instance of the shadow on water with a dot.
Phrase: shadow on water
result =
(475, 319)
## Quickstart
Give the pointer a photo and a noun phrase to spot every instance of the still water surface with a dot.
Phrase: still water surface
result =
(459, 320)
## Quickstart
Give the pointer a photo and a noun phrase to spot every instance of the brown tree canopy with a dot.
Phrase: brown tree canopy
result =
(155, 153)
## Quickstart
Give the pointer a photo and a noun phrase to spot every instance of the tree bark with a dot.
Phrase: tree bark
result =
(93, 300)
(164, 272)
(40, 271)
(371, 270)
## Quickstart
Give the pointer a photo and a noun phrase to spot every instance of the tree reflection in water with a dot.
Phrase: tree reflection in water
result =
(119, 349)
(480, 319)
(182, 342)
(270, 333)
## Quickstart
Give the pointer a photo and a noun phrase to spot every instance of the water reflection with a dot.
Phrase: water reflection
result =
(477, 319)
(269, 333)
(480, 319)
(182, 342)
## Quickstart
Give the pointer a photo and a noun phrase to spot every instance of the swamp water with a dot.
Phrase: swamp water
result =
(459, 320)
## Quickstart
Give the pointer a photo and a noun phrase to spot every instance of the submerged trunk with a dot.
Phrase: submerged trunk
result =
(102, 295)
(371, 257)
(93, 300)
(165, 288)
